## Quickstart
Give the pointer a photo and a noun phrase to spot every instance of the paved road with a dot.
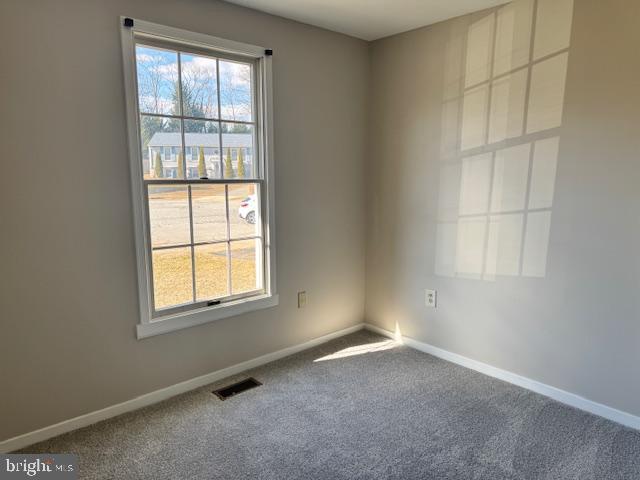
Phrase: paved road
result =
(169, 215)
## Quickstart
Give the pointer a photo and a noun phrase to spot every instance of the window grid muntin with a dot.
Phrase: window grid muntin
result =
(240, 239)
(228, 225)
(188, 117)
(257, 167)
(255, 179)
(221, 147)
(228, 241)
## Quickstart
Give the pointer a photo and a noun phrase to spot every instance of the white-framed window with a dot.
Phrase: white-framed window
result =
(203, 221)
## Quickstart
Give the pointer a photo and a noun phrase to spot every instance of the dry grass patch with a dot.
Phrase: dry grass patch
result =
(215, 192)
(172, 273)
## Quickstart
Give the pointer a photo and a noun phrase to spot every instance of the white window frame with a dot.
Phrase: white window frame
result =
(150, 325)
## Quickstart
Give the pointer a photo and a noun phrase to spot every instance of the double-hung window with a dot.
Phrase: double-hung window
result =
(200, 148)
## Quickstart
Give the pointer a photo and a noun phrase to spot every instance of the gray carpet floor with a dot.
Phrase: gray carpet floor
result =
(351, 410)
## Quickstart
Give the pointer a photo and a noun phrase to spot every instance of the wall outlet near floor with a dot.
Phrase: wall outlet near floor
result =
(430, 298)
(302, 299)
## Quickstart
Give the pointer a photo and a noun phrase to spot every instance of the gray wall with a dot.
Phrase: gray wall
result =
(69, 296)
(553, 297)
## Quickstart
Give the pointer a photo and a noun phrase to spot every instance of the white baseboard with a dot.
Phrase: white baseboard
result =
(42, 434)
(561, 396)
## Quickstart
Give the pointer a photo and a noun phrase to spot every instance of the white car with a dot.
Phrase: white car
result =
(248, 209)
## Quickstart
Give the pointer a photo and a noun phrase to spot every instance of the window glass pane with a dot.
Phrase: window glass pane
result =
(157, 80)
(246, 266)
(204, 140)
(209, 213)
(237, 149)
(244, 210)
(235, 91)
(172, 281)
(211, 271)
(169, 215)
(161, 138)
(199, 86)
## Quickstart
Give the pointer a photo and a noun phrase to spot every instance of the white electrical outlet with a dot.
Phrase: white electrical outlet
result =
(302, 299)
(430, 298)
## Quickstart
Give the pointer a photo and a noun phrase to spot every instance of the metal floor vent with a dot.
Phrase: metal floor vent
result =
(234, 389)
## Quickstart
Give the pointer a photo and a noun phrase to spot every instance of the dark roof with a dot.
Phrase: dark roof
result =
(233, 140)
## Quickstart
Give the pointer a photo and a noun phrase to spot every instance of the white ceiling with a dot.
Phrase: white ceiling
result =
(369, 19)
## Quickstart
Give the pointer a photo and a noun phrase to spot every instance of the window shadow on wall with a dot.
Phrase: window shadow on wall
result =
(505, 78)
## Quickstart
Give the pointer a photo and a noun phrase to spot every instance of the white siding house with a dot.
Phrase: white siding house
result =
(168, 145)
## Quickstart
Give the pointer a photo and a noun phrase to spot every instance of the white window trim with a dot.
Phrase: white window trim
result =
(149, 326)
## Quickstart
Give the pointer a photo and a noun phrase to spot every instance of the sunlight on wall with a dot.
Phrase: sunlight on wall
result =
(502, 111)
(397, 334)
(547, 94)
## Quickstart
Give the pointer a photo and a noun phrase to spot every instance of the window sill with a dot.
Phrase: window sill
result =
(205, 315)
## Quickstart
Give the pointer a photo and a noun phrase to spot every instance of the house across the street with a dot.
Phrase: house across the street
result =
(168, 145)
